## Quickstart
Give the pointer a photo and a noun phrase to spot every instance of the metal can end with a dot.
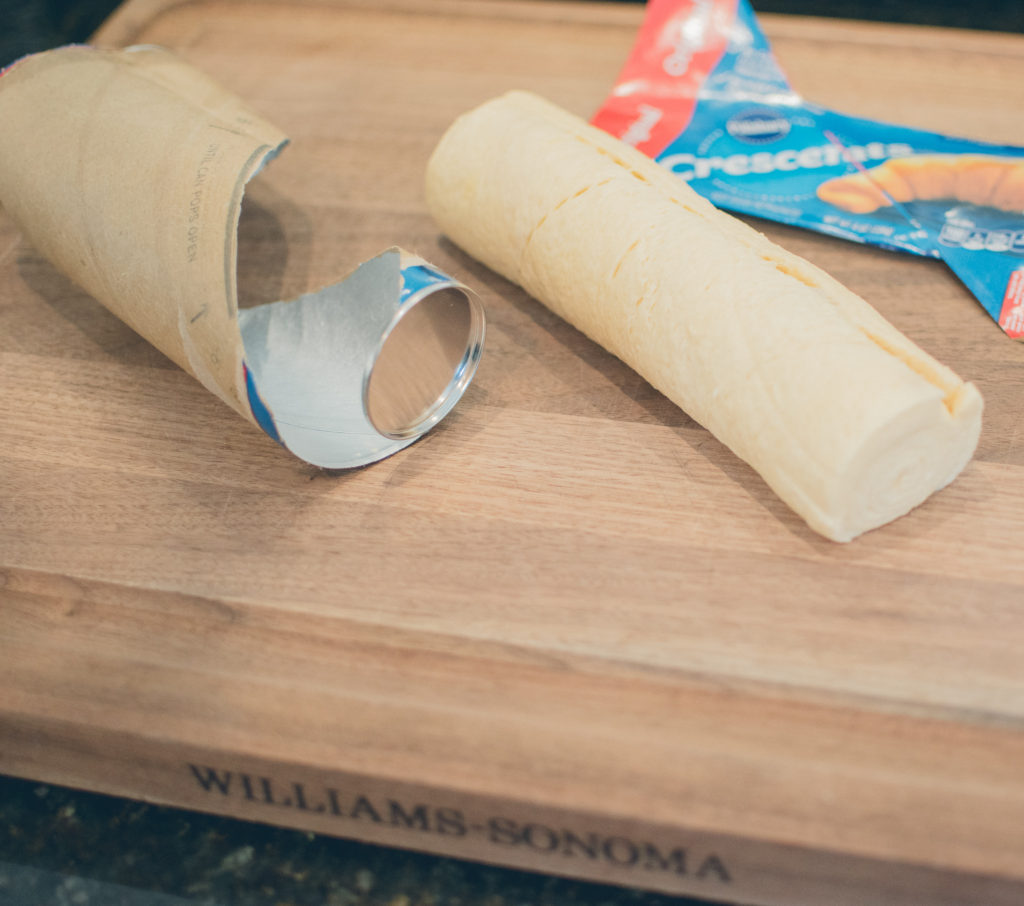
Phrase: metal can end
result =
(425, 362)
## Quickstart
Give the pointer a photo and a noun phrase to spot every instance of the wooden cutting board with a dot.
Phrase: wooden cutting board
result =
(568, 630)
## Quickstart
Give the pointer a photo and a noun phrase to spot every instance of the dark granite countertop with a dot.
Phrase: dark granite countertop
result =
(71, 848)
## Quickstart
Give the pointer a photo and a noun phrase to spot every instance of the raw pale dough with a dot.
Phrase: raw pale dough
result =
(846, 419)
(974, 178)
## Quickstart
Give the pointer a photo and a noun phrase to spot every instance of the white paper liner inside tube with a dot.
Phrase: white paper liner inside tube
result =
(134, 191)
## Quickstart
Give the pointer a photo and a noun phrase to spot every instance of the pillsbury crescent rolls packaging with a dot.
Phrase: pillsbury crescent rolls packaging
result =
(127, 170)
(703, 95)
(846, 419)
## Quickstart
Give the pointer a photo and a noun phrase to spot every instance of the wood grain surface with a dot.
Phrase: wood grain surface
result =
(568, 630)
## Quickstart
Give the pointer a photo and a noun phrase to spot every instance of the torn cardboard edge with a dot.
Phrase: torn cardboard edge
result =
(134, 192)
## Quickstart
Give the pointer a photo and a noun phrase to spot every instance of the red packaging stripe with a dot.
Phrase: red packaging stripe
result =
(679, 44)
(1011, 317)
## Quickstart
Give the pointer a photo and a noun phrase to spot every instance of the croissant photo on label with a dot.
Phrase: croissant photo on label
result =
(848, 421)
(976, 179)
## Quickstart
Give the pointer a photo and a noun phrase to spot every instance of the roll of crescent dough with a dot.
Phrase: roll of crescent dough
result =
(845, 418)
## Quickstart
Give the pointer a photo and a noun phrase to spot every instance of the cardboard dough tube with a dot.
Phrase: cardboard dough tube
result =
(127, 168)
(846, 419)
